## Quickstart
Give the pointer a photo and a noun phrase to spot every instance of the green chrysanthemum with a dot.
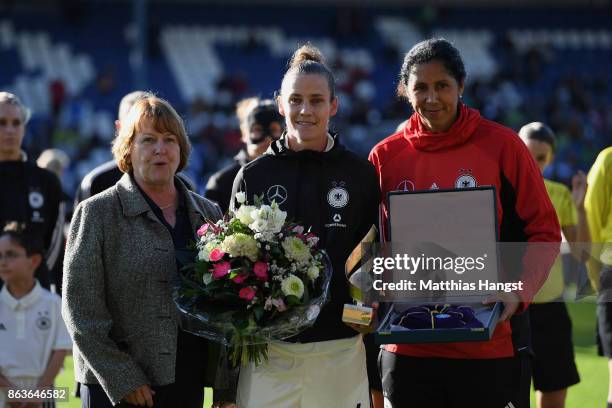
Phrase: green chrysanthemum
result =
(293, 286)
(296, 249)
(240, 244)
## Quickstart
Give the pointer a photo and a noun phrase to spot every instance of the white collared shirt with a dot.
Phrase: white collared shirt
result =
(30, 328)
(328, 147)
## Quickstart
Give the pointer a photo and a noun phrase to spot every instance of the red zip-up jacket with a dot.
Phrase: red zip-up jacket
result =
(473, 152)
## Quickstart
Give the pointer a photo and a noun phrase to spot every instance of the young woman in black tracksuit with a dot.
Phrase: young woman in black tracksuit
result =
(320, 185)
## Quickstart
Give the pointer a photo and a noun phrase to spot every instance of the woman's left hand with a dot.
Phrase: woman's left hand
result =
(510, 300)
(141, 396)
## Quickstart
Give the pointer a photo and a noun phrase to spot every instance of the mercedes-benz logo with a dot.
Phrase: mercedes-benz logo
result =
(405, 185)
(277, 193)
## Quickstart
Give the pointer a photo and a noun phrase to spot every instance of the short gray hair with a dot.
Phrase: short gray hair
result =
(12, 99)
(128, 101)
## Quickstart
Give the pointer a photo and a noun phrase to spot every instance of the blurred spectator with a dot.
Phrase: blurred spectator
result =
(56, 161)
(260, 124)
(599, 215)
(533, 82)
(57, 91)
(554, 366)
(105, 82)
(107, 174)
(30, 195)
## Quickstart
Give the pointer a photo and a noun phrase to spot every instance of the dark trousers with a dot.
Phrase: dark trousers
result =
(604, 312)
(187, 390)
(450, 383)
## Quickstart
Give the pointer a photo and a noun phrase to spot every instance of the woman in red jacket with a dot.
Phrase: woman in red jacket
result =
(447, 145)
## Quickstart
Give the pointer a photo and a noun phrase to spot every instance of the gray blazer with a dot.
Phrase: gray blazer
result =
(119, 269)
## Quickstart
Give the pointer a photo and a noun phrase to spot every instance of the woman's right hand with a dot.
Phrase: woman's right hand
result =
(141, 396)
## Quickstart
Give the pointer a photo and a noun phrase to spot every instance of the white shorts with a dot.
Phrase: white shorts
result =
(307, 375)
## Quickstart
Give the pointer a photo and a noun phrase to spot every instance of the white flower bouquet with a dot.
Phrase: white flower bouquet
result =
(256, 278)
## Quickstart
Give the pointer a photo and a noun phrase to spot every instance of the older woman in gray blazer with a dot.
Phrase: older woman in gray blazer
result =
(120, 267)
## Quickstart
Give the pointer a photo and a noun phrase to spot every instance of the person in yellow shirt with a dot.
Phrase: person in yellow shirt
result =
(599, 215)
(554, 368)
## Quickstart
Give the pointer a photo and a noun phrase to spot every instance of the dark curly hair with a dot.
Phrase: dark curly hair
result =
(434, 49)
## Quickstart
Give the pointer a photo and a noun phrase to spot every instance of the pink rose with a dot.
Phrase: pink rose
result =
(202, 230)
(247, 293)
(279, 304)
(261, 270)
(216, 255)
(298, 229)
(240, 278)
(221, 269)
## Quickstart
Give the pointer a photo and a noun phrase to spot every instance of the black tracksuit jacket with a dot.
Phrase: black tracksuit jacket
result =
(33, 196)
(335, 193)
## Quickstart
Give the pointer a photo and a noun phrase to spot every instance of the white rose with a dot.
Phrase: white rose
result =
(313, 272)
(268, 219)
(240, 197)
(244, 214)
(278, 219)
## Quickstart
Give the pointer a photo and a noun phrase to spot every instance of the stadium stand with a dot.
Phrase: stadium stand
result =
(549, 65)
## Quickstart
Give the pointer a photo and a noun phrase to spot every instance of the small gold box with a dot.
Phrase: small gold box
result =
(357, 314)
